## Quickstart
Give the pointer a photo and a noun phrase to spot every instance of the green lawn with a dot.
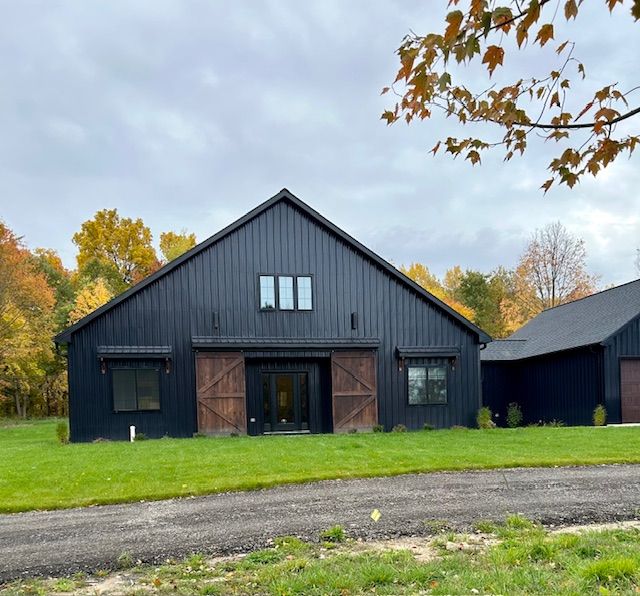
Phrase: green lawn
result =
(38, 473)
(517, 557)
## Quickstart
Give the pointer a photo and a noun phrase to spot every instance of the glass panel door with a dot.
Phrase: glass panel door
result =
(285, 398)
(285, 402)
(303, 393)
(266, 402)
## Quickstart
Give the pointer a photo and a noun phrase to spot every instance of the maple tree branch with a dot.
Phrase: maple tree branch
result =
(513, 19)
(575, 126)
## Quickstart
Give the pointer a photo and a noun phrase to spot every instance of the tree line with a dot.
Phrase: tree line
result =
(39, 297)
(551, 270)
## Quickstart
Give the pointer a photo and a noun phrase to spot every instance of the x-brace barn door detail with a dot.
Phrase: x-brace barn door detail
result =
(353, 388)
(220, 391)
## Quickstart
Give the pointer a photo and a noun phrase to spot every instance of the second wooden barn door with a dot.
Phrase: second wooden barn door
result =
(220, 391)
(353, 388)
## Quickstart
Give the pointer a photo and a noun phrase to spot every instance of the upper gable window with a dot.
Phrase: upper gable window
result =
(285, 292)
(289, 292)
(267, 292)
(305, 299)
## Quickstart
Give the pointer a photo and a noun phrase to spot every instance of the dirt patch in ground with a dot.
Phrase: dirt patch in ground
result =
(622, 525)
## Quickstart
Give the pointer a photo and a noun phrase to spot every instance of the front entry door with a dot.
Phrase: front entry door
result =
(285, 401)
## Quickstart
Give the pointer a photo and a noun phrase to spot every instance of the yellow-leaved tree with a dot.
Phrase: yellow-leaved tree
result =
(89, 298)
(173, 244)
(423, 277)
(118, 249)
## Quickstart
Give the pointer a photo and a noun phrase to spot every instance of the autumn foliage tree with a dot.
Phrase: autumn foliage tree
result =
(554, 265)
(173, 244)
(89, 298)
(423, 277)
(584, 124)
(26, 324)
(116, 245)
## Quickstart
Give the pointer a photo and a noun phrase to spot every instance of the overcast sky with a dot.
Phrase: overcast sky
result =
(189, 113)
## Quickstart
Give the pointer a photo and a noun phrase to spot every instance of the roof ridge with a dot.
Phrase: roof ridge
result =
(627, 283)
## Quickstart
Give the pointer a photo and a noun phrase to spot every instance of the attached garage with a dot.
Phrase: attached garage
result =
(569, 359)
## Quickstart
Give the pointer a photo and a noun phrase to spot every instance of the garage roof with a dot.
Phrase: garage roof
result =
(588, 321)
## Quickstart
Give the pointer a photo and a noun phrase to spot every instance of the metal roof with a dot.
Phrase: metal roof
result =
(427, 351)
(283, 195)
(283, 343)
(584, 322)
(134, 351)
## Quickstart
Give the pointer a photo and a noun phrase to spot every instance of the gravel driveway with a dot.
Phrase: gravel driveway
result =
(55, 542)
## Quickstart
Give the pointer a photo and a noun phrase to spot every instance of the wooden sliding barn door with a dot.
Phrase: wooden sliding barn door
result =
(353, 389)
(220, 391)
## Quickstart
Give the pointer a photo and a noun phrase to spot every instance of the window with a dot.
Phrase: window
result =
(267, 292)
(427, 384)
(136, 389)
(305, 301)
(289, 293)
(285, 292)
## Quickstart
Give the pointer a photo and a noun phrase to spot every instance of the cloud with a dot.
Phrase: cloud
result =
(188, 114)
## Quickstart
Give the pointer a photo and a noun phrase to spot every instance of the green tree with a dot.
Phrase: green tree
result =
(53, 389)
(173, 244)
(119, 242)
(95, 269)
(60, 280)
(482, 293)
(554, 104)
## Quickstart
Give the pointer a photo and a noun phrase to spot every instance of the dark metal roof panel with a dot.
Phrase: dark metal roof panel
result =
(584, 322)
(134, 351)
(284, 343)
(427, 351)
(503, 349)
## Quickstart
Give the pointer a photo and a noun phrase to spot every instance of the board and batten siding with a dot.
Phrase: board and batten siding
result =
(564, 386)
(223, 278)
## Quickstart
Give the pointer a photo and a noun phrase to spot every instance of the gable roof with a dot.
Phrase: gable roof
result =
(283, 196)
(584, 322)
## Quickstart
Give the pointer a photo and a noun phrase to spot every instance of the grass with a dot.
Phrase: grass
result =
(518, 558)
(36, 472)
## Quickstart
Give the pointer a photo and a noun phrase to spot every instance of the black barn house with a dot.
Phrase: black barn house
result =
(281, 322)
(569, 359)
